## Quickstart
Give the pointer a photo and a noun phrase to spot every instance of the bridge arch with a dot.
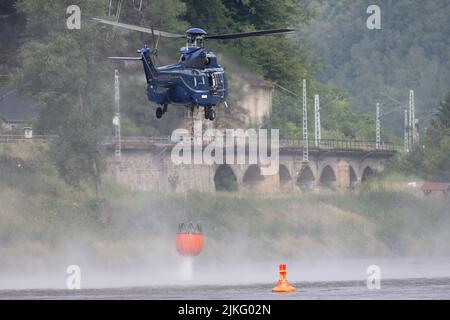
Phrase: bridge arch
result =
(285, 177)
(305, 178)
(252, 177)
(225, 179)
(367, 173)
(327, 177)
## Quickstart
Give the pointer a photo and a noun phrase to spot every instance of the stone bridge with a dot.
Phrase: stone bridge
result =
(145, 164)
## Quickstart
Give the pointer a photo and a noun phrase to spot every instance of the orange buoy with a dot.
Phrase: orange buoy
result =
(189, 240)
(283, 285)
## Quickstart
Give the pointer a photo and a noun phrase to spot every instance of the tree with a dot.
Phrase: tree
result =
(443, 116)
(66, 71)
(12, 24)
(77, 154)
(411, 51)
(431, 159)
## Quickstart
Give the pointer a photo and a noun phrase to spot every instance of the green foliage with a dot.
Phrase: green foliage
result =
(66, 71)
(340, 121)
(443, 117)
(431, 158)
(275, 58)
(11, 26)
(76, 151)
(63, 67)
(213, 17)
(369, 65)
(39, 207)
(411, 51)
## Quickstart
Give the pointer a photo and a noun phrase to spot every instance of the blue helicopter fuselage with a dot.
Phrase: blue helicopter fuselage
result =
(196, 80)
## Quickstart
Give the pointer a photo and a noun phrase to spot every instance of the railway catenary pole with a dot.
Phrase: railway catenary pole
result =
(116, 119)
(411, 120)
(317, 130)
(305, 125)
(406, 132)
(378, 127)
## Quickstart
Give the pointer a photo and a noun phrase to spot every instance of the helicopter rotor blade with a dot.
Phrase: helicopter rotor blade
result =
(153, 37)
(157, 42)
(248, 34)
(140, 29)
(125, 58)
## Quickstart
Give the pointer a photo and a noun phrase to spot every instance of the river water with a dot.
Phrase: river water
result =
(390, 289)
(322, 279)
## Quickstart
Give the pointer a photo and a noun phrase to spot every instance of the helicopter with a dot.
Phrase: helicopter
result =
(196, 80)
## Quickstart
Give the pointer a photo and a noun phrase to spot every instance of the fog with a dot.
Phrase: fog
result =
(318, 242)
(178, 274)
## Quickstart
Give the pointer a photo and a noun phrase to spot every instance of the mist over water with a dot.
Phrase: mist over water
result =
(186, 269)
(321, 238)
(405, 278)
(189, 272)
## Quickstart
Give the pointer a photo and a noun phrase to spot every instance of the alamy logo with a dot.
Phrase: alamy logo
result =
(74, 20)
(374, 279)
(374, 20)
(73, 282)
(240, 146)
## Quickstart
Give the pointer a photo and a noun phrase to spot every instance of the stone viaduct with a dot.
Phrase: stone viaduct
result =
(146, 164)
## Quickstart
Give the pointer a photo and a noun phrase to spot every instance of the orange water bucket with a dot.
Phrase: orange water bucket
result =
(189, 240)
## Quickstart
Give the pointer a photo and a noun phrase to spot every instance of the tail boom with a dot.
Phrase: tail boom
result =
(149, 68)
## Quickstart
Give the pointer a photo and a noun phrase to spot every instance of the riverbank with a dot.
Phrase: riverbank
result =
(44, 222)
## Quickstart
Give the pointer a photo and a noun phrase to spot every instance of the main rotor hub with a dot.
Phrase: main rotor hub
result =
(195, 33)
(195, 37)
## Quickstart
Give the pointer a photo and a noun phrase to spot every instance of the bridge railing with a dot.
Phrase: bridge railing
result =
(339, 144)
(137, 141)
(12, 138)
(142, 141)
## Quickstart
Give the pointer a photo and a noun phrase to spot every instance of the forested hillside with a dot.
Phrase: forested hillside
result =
(411, 51)
(350, 66)
(40, 29)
